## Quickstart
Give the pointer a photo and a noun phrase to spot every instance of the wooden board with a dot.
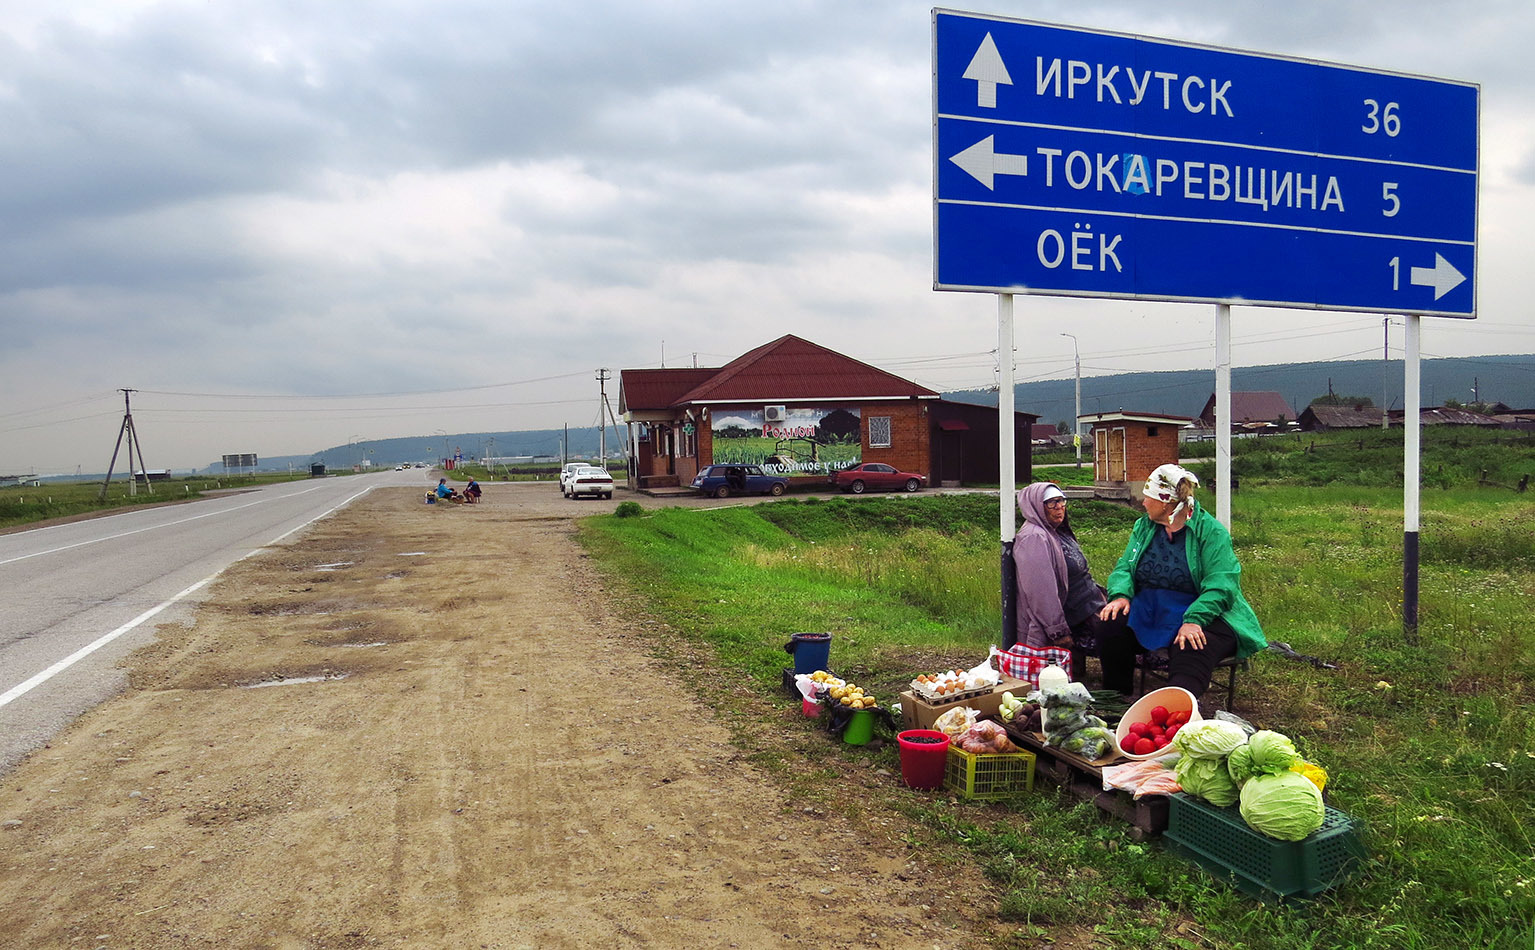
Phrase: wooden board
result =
(1084, 780)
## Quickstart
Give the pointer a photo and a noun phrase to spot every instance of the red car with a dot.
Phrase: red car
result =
(876, 476)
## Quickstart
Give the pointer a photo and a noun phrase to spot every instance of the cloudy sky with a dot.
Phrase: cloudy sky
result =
(290, 225)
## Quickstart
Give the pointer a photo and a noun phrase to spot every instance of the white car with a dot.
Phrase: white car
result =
(590, 480)
(569, 471)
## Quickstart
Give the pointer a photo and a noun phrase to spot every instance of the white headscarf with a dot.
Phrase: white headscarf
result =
(1163, 485)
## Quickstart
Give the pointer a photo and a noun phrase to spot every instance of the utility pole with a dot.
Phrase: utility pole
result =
(132, 435)
(602, 422)
(1385, 370)
(1076, 421)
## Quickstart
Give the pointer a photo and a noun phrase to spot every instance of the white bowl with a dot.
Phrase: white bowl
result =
(1175, 698)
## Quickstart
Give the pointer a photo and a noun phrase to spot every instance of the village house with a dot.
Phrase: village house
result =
(804, 411)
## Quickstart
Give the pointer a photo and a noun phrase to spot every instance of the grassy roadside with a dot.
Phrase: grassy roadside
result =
(1429, 745)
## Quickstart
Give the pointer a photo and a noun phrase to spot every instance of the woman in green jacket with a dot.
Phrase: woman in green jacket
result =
(1177, 586)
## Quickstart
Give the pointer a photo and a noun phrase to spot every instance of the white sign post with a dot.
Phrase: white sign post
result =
(1086, 163)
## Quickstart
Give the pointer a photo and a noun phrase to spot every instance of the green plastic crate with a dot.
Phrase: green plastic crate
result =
(987, 776)
(1218, 840)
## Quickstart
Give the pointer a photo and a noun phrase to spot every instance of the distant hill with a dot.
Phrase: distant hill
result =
(1506, 379)
(407, 450)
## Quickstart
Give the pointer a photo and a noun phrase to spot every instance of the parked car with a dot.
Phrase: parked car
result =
(722, 481)
(876, 476)
(570, 469)
(590, 480)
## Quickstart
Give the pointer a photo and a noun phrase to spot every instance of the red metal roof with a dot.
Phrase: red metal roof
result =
(792, 369)
(1250, 407)
(640, 389)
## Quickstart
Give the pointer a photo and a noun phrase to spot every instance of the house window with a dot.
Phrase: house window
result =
(1151, 431)
(687, 441)
(879, 432)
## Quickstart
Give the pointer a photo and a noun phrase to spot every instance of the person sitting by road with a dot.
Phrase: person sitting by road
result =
(472, 492)
(736, 479)
(1178, 587)
(443, 491)
(1058, 600)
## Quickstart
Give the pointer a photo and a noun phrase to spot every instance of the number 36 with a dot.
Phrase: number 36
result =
(1378, 119)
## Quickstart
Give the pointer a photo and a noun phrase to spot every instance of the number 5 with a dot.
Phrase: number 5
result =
(1388, 194)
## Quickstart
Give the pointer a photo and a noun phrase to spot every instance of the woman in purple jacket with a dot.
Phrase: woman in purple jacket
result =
(1058, 600)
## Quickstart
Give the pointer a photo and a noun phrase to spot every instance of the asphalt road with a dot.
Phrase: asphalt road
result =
(76, 598)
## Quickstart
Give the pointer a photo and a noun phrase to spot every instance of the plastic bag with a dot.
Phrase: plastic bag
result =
(985, 738)
(956, 722)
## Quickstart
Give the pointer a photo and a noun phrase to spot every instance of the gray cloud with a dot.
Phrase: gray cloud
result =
(299, 199)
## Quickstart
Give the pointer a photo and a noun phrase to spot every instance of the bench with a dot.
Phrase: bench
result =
(1158, 671)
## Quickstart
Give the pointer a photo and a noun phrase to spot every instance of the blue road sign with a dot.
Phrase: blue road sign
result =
(1084, 163)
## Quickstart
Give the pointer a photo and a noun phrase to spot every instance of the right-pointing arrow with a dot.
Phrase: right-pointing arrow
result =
(1443, 276)
(983, 162)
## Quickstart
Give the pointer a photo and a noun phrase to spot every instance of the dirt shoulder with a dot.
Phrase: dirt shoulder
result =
(429, 726)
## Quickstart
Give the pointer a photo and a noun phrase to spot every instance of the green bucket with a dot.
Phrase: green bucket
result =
(860, 729)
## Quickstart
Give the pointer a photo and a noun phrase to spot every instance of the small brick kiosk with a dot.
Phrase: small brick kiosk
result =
(1128, 447)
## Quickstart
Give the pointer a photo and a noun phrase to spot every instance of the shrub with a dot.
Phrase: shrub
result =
(628, 509)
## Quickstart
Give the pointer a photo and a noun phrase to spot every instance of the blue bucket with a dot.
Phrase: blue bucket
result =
(811, 651)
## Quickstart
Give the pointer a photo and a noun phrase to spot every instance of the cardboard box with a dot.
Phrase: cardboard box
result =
(917, 713)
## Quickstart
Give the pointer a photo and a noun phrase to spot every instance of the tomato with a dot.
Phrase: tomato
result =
(1145, 746)
(1180, 717)
(1159, 715)
(1129, 744)
(1156, 731)
(1138, 728)
(1161, 741)
(1172, 730)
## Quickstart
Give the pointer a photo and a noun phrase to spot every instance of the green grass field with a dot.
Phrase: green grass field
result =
(1431, 745)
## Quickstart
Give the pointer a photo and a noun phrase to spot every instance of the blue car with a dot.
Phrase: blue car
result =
(722, 481)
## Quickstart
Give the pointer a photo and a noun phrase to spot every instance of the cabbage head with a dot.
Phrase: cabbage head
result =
(1209, 739)
(1240, 764)
(1271, 752)
(1287, 806)
(1207, 779)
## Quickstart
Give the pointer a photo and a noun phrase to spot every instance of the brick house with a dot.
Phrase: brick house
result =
(1128, 447)
(795, 408)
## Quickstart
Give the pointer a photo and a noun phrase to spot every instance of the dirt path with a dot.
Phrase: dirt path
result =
(479, 760)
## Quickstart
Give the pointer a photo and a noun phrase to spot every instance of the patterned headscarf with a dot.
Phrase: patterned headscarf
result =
(1163, 485)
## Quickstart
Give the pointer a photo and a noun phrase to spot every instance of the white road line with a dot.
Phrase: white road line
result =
(19, 690)
(167, 524)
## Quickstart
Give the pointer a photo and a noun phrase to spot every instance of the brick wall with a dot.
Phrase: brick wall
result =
(909, 433)
(1145, 453)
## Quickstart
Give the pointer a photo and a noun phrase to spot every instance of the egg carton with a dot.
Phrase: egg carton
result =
(928, 694)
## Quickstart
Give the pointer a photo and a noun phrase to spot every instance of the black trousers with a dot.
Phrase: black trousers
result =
(1188, 668)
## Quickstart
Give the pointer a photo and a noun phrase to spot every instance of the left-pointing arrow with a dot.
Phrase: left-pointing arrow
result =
(987, 68)
(1443, 276)
(983, 162)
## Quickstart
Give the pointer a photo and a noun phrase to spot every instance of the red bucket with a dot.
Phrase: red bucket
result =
(924, 755)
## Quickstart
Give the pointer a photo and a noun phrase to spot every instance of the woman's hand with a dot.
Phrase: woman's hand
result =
(1117, 607)
(1191, 636)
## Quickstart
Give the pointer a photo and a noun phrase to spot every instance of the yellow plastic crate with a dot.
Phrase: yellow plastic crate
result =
(987, 776)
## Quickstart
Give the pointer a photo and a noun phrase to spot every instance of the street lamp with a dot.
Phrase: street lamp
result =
(351, 442)
(444, 434)
(1076, 422)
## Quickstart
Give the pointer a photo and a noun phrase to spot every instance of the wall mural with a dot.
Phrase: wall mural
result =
(807, 442)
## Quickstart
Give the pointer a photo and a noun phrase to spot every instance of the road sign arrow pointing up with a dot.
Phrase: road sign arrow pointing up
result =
(983, 162)
(1443, 276)
(987, 68)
